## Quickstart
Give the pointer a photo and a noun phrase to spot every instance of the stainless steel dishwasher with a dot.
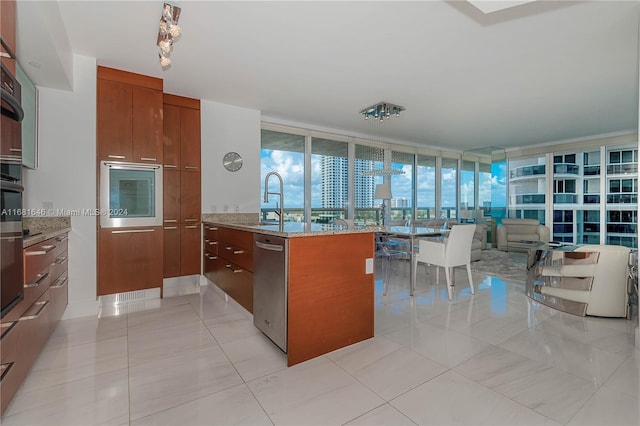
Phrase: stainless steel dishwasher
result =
(270, 258)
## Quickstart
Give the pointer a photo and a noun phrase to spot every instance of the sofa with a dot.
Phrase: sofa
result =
(479, 242)
(513, 230)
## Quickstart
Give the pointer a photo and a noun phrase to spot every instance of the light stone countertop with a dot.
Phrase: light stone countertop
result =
(295, 229)
(45, 228)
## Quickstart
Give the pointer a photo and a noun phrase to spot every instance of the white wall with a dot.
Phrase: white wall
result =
(227, 128)
(66, 175)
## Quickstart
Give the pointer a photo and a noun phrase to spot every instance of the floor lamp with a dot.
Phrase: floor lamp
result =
(383, 192)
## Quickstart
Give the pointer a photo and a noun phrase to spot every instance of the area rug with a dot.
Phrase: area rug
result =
(508, 265)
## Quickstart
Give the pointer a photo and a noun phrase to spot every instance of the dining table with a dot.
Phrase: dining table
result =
(412, 234)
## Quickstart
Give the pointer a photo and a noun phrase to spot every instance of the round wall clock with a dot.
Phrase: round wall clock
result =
(232, 161)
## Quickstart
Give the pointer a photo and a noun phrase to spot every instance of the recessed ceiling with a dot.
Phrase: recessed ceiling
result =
(535, 73)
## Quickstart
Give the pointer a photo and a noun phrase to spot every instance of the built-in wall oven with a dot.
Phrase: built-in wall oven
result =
(130, 194)
(11, 278)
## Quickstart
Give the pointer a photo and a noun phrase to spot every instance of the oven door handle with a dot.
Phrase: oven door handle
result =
(10, 186)
(18, 113)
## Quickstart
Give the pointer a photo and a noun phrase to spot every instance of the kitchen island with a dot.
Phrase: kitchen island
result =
(328, 280)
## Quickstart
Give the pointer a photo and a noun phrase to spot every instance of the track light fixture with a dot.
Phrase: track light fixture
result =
(169, 33)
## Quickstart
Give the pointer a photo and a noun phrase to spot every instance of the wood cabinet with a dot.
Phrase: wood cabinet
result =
(10, 131)
(8, 32)
(181, 133)
(231, 267)
(147, 125)
(182, 190)
(171, 197)
(130, 259)
(209, 251)
(172, 245)
(190, 195)
(190, 138)
(190, 249)
(26, 328)
(171, 136)
(330, 296)
(129, 117)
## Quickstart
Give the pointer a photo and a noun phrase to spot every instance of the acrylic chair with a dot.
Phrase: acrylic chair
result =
(347, 223)
(455, 250)
(388, 251)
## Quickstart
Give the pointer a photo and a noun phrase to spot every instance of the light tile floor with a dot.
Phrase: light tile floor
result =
(494, 358)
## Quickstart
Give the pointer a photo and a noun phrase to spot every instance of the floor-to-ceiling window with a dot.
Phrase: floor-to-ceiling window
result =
(283, 153)
(566, 182)
(426, 184)
(449, 188)
(588, 215)
(366, 207)
(329, 179)
(485, 181)
(527, 180)
(622, 196)
(595, 194)
(402, 186)
(467, 190)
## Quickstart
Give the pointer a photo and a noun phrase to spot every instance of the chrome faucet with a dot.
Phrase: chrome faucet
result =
(280, 211)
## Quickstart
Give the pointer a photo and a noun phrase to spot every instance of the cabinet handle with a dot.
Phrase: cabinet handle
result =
(212, 243)
(45, 249)
(191, 167)
(41, 305)
(61, 239)
(235, 251)
(15, 150)
(233, 269)
(37, 282)
(5, 368)
(132, 231)
(191, 227)
(62, 283)
(169, 228)
(211, 228)
(191, 220)
(147, 159)
(210, 256)
(119, 157)
(171, 220)
(61, 260)
(7, 328)
(170, 166)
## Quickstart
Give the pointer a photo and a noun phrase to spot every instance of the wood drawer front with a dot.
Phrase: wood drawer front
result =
(59, 265)
(210, 232)
(9, 342)
(35, 325)
(237, 283)
(38, 257)
(33, 290)
(237, 255)
(208, 262)
(235, 238)
(209, 267)
(59, 296)
(12, 377)
(210, 245)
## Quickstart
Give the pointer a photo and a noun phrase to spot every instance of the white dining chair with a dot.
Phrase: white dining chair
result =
(449, 253)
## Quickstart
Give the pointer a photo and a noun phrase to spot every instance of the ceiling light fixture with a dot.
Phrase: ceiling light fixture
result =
(382, 110)
(169, 32)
